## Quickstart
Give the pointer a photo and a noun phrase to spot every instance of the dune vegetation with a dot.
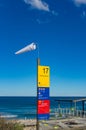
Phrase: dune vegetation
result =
(8, 125)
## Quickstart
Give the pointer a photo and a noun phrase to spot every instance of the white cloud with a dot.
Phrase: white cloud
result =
(83, 15)
(39, 21)
(79, 2)
(38, 4)
(54, 13)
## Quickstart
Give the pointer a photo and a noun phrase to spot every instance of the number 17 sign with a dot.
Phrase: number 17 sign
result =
(43, 76)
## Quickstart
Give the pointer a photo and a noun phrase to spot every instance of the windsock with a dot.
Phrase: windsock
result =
(29, 47)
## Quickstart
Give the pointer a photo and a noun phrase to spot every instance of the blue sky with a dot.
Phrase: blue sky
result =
(59, 28)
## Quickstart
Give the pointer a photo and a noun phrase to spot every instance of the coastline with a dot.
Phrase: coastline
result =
(76, 123)
(28, 124)
(23, 111)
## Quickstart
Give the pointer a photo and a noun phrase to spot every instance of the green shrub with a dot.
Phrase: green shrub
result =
(5, 125)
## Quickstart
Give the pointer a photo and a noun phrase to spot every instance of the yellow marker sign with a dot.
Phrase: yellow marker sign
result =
(43, 76)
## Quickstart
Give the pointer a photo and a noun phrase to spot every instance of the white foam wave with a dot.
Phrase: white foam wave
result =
(8, 116)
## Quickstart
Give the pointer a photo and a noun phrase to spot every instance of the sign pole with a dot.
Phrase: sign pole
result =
(37, 125)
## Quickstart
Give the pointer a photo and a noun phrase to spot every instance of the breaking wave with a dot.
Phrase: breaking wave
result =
(8, 116)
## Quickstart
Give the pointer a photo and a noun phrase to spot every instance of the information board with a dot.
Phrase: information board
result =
(43, 93)
(43, 76)
(43, 116)
(43, 106)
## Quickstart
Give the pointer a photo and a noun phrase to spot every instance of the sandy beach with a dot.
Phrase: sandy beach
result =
(63, 124)
(29, 124)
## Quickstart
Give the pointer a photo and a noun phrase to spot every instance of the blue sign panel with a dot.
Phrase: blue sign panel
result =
(43, 93)
(43, 116)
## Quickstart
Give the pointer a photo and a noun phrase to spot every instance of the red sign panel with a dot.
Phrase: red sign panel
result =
(43, 106)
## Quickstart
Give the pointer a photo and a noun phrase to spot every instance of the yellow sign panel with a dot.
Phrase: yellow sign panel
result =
(43, 76)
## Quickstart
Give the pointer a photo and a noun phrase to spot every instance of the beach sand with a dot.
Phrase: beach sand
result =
(63, 124)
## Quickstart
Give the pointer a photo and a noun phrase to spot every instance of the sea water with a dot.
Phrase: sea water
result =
(25, 107)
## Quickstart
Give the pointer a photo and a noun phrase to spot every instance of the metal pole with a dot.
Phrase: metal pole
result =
(82, 108)
(37, 125)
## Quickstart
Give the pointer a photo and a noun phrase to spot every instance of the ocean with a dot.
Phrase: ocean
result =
(25, 107)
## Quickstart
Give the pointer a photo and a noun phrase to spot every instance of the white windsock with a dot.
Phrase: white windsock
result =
(30, 47)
